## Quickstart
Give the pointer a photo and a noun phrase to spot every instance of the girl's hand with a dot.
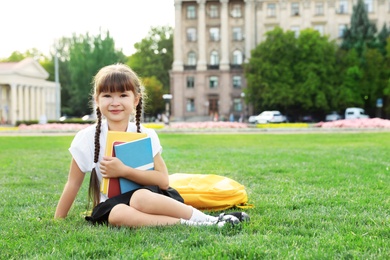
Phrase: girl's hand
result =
(112, 167)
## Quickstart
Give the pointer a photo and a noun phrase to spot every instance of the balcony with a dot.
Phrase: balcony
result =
(213, 67)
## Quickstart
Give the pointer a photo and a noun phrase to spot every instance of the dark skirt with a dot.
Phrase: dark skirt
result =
(101, 212)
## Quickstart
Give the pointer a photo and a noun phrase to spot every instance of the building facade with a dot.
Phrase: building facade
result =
(214, 38)
(25, 94)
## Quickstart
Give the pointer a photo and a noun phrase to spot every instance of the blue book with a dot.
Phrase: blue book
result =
(137, 154)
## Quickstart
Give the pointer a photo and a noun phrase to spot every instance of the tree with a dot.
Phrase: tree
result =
(154, 55)
(154, 103)
(294, 75)
(361, 33)
(269, 72)
(314, 73)
(87, 54)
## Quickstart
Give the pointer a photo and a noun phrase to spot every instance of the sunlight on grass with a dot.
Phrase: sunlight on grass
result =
(316, 196)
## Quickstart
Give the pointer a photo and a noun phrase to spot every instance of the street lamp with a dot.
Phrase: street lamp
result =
(243, 106)
(167, 98)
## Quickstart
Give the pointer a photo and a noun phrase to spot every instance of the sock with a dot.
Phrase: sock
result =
(199, 216)
(201, 223)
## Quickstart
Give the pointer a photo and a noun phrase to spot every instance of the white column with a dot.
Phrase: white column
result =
(224, 35)
(177, 44)
(26, 98)
(33, 103)
(14, 104)
(202, 62)
(249, 25)
(38, 102)
(43, 100)
(20, 103)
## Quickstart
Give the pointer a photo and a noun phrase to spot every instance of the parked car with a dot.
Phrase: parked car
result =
(355, 113)
(265, 117)
(333, 116)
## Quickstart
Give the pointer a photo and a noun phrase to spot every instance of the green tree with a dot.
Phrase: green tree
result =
(87, 54)
(348, 92)
(383, 35)
(154, 55)
(295, 75)
(269, 72)
(154, 103)
(361, 33)
(314, 73)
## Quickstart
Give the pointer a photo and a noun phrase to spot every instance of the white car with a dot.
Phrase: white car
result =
(265, 117)
(355, 113)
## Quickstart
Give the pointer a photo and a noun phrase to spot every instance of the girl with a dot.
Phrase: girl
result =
(118, 95)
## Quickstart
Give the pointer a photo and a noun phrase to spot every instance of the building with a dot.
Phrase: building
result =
(214, 38)
(25, 94)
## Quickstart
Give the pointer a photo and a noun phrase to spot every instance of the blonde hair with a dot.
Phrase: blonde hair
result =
(113, 78)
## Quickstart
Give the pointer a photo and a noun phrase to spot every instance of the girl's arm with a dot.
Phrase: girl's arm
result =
(72, 186)
(112, 167)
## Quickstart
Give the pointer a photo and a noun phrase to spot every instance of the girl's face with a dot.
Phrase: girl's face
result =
(117, 107)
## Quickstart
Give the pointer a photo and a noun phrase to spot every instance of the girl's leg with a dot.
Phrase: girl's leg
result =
(153, 203)
(124, 215)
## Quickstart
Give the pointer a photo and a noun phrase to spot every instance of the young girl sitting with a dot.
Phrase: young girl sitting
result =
(118, 95)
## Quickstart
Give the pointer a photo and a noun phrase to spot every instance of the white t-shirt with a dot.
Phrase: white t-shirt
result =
(82, 147)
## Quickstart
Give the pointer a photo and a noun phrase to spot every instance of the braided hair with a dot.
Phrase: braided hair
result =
(112, 78)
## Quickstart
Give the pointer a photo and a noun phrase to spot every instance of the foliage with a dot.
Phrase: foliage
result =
(361, 33)
(269, 73)
(294, 75)
(326, 200)
(154, 104)
(154, 55)
(87, 54)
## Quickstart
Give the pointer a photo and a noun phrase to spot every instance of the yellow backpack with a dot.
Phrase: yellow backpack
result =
(209, 191)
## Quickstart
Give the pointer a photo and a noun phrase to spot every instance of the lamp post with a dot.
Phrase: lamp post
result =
(243, 106)
(167, 98)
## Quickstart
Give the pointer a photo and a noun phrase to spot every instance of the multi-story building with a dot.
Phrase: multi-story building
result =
(214, 38)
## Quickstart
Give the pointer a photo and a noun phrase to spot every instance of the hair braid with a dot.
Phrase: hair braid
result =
(138, 115)
(94, 185)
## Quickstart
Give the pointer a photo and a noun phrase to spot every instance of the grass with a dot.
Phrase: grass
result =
(316, 196)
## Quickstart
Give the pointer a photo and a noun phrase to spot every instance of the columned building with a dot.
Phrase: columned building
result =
(25, 94)
(214, 38)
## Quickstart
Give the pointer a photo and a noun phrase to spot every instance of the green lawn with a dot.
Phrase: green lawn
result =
(316, 196)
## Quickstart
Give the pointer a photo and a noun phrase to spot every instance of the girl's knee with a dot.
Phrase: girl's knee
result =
(141, 198)
(117, 213)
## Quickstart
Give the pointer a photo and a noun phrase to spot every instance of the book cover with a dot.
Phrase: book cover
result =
(112, 138)
(137, 154)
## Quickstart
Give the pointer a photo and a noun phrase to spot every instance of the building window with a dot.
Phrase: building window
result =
(214, 12)
(191, 34)
(214, 34)
(319, 8)
(271, 10)
(294, 9)
(236, 81)
(343, 7)
(191, 59)
(213, 82)
(190, 106)
(237, 57)
(236, 11)
(295, 29)
(342, 28)
(319, 28)
(190, 82)
(237, 34)
(214, 58)
(237, 105)
(191, 12)
(368, 4)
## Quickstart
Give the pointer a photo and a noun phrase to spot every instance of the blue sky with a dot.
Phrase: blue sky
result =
(26, 24)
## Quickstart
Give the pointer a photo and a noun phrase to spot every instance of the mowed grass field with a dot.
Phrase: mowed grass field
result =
(315, 196)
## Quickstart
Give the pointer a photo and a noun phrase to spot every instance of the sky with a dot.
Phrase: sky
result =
(27, 24)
